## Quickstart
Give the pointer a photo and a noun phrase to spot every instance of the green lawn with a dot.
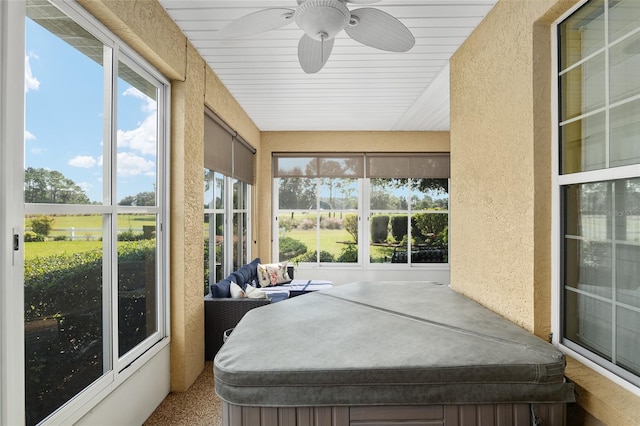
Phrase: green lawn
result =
(50, 248)
(87, 226)
(332, 241)
(87, 233)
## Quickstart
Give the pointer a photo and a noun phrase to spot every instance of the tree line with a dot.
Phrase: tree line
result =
(43, 186)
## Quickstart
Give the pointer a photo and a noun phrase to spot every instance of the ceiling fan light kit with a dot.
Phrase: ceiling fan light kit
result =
(321, 21)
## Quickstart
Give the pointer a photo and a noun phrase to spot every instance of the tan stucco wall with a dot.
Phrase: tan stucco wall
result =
(334, 142)
(500, 216)
(145, 26)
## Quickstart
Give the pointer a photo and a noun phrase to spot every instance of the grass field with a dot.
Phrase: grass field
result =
(88, 225)
(332, 241)
(87, 233)
(50, 248)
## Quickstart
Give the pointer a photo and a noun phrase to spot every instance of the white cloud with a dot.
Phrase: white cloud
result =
(143, 138)
(30, 82)
(150, 104)
(85, 186)
(28, 136)
(38, 151)
(130, 164)
(83, 161)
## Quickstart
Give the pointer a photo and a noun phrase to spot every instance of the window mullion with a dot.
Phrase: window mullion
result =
(110, 222)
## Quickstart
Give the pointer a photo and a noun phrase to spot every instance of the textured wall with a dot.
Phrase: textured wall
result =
(334, 142)
(501, 82)
(187, 199)
(145, 26)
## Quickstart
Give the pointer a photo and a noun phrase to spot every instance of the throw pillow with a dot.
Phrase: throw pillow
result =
(236, 291)
(254, 293)
(273, 274)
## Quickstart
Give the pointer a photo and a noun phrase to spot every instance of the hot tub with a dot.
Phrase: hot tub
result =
(391, 352)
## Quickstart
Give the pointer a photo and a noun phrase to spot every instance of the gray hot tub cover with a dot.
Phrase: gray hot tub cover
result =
(385, 343)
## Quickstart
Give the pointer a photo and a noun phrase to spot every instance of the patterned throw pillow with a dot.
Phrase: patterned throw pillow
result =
(273, 274)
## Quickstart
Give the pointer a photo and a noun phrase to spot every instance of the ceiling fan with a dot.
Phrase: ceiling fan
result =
(321, 21)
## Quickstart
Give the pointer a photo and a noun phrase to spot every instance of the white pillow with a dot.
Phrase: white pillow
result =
(236, 291)
(254, 293)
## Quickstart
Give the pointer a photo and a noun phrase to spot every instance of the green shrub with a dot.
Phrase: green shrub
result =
(430, 225)
(399, 226)
(30, 237)
(42, 225)
(290, 247)
(130, 235)
(311, 256)
(63, 301)
(349, 254)
(350, 223)
(379, 228)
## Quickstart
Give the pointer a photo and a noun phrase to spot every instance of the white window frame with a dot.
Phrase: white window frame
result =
(12, 363)
(228, 212)
(11, 212)
(559, 181)
(364, 236)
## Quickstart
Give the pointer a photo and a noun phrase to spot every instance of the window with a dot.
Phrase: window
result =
(320, 200)
(228, 175)
(599, 184)
(94, 193)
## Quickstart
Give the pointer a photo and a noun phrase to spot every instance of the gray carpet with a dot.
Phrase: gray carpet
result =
(198, 406)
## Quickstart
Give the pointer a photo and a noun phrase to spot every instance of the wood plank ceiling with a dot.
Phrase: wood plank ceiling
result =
(360, 88)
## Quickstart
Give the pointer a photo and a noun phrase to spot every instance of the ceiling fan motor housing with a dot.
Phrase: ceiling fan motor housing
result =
(322, 19)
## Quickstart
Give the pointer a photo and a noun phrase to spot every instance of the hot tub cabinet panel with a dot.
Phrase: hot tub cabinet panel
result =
(432, 415)
(375, 348)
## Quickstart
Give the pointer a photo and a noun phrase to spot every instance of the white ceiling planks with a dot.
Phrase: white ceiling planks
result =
(360, 88)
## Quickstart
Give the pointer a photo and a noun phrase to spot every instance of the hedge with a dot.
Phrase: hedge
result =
(64, 320)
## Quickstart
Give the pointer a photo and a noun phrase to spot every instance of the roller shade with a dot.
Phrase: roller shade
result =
(242, 162)
(418, 165)
(318, 165)
(378, 165)
(225, 152)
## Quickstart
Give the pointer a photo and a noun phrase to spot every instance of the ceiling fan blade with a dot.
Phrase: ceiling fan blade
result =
(313, 54)
(378, 29)
(362, 1)
(257, 22)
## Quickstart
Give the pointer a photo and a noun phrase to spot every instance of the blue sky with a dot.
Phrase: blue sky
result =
(64, 124)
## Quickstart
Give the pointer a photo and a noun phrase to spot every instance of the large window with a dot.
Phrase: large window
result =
(228, 175)
(321, 201)
(599, 184)
(226, 226)
(95, 246)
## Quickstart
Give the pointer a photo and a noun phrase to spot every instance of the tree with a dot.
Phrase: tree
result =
(42, 225)
(50, 186)
(147, 198)
(297, 193)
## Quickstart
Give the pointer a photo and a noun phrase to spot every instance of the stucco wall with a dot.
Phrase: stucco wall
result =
(501, 140)
(334, 142)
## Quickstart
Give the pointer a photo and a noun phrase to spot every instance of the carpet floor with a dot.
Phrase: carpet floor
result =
(198, 406)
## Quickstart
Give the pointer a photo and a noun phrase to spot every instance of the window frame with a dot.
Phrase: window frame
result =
(229, 211)
(559, 181)
(364, 213)
(121, 367)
